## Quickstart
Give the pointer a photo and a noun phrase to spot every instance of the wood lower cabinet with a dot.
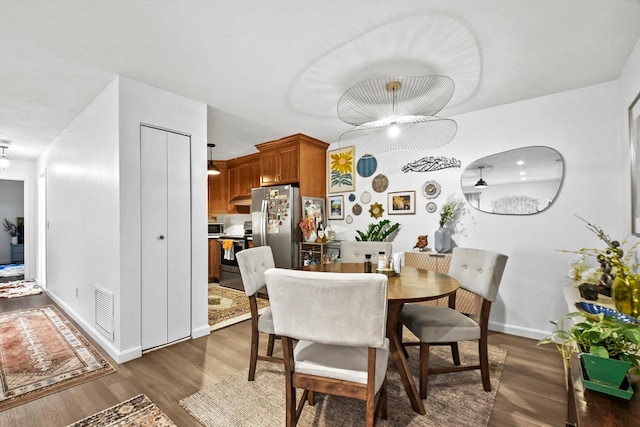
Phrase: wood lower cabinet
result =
(214, 260)
(466, 302)
(296, 159)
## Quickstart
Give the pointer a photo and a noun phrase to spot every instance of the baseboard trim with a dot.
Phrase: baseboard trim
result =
(518, 330)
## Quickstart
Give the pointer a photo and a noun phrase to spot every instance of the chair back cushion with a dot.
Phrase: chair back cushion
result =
(348, 309)
(478, 271)
(253, 263)
(355, 251)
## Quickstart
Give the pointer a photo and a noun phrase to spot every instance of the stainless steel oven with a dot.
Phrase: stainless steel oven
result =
(229, 270)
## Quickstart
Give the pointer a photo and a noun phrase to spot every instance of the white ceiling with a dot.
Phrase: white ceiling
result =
(268, 69)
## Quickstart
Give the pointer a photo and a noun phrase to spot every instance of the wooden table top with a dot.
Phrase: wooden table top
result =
(412, 285)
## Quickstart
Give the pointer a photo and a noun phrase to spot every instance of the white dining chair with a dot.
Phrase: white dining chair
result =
(479, 272)
(339, 320)
(355, 251)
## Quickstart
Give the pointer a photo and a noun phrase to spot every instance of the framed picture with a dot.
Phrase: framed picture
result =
(402, 202)
(313, 207)
(336, 207)
(340, 173)
(634, 138)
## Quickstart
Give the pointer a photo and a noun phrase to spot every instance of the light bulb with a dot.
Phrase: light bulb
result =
(394, 131)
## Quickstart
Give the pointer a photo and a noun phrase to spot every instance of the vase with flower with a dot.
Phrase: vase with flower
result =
(308, 228)
(443, 234)
(618, 276)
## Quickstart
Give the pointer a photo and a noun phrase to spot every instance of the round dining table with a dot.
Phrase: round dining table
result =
(411, 285)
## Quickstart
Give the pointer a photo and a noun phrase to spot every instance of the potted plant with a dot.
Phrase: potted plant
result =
(11, 228)
(609, 347)
(442, 234)
(377, 232)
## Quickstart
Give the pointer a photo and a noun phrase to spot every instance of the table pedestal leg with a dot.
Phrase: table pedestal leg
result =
(395, 346)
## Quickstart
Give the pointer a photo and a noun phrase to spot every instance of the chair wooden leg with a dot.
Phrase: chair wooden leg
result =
(255, 341)
(484, 363)
(404, 350)
(272, 339)
(455, 353)
(383, 400)
(424, 369)
(291, 410)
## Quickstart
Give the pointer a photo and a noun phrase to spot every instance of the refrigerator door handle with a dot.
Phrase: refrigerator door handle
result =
(263, 222)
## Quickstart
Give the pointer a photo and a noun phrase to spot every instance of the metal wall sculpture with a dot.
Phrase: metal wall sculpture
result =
(431, 163)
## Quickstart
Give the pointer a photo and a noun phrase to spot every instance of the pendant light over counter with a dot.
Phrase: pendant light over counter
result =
(4, 160)
(212, 169)
(397, 114)
(481, 182)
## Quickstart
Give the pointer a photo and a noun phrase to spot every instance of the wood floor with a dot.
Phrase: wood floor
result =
(531, 392)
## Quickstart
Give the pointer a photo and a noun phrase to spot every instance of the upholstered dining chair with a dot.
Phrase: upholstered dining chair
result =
(355, 251)
(253, 263)
(339, 320)
(479, 272)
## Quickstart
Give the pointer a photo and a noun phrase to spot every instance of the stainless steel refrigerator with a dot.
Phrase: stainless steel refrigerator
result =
(275, 214)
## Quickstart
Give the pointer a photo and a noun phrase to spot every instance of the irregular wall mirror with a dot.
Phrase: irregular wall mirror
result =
(523, 181)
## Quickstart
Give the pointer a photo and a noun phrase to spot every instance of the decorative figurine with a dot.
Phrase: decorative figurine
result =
(422, 243)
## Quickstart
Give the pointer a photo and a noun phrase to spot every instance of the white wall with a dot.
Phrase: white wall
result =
(93, 193)
(589, 128)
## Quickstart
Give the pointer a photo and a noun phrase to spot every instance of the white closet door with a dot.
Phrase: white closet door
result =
(166, 234)
(179, 236)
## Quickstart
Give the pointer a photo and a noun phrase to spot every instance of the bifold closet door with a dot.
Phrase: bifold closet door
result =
(165, 176)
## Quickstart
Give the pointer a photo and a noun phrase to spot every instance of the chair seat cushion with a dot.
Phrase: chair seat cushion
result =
(265, 322)
(340, 362)
(433, 324)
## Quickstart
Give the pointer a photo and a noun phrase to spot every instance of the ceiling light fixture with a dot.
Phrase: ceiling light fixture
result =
(212, 169)
(397, 114)
(4, 160)
(481, 182)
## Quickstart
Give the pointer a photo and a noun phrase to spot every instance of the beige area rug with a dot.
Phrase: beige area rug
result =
(137, 411)
(228, 306)
(41, 352)
(455, 399)
(19, 288)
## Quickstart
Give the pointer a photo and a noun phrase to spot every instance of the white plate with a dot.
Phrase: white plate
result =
(365, 197)
(349, 219)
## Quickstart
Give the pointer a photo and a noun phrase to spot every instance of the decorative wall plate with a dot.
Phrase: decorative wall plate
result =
(366, 165)
(352, 197)
(356, 209)
(348, 219)
(365, 197)
(431, 189)
(431, 207)
(380, 183)
(376, 210)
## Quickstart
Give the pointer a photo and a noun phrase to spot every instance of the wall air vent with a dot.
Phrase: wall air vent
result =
(104, 312)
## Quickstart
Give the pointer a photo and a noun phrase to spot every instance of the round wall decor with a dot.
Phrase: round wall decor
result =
(431, 207)
(352, 197)
(380, 183)
(365, 197)
(356, 209)
(376, 210)
(349, 219)
(431, 189)
(366, 165)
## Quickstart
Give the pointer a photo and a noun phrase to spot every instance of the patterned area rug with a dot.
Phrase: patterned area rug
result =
(9, 272)
(137, 411)
(19, 288)
(455, 399)
(228, 306)
(41, 352)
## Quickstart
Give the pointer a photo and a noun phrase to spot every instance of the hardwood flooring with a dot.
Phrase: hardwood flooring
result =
(531, 393)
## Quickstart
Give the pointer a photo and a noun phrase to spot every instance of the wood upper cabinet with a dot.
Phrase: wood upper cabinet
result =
(295, 159)
(218, 191)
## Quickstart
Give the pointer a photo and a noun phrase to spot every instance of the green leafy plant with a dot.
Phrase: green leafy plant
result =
(377, 232)
(602, 336)
(447, 212)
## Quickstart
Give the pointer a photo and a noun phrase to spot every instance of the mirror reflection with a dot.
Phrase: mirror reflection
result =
(523, 181)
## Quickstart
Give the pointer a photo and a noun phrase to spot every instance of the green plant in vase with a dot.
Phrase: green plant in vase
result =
(599, 337)
(377, 232)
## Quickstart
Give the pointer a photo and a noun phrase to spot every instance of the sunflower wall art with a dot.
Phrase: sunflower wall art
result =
(341, 170)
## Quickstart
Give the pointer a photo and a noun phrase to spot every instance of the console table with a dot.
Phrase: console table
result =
(588, 408)
(17, 252)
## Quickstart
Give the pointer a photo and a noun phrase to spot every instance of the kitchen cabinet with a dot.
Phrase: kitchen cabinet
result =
(218, 192)
(214, 260)
(243, 175)
(296, 159)
(466, 302)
